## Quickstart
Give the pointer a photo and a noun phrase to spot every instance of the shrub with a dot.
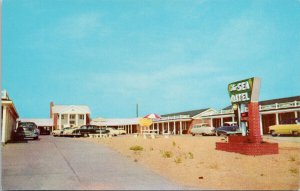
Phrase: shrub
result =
(136, 148)
(174, 144)
(177, 160)
(191, 155)
(292, 158)
(293, 170)
(167, 154)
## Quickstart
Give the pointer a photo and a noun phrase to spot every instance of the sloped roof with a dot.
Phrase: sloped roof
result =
(38, 121)
(116, 121)
(273, 101)
(70, 109)
(192, 113)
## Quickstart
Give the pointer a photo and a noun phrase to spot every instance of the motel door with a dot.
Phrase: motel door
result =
(267, 121)
(217, 122)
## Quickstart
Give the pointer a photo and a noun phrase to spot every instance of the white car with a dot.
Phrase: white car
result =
(113, 131)
(60, 132)
(203, 129)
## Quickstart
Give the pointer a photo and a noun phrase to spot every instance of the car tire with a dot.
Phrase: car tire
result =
(295, 133)
(273, 134)
(193, 134)
(203, 134)
(217, 134)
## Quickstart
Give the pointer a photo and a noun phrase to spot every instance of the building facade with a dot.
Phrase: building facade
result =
(69, 115)
(9, 116)
(272, 112)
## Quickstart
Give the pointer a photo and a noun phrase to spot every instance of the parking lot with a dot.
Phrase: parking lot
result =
(65, 163)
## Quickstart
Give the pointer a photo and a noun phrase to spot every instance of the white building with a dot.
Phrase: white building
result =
(9, 117)
(69, 115)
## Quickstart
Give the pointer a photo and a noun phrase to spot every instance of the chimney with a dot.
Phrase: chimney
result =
(51, 105)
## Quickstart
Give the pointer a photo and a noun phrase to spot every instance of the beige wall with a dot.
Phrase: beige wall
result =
(9, 123)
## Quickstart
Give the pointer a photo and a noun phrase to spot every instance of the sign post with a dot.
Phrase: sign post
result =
(244, 96)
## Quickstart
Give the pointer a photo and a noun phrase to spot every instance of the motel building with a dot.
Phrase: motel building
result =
(272, 112)
(275, 111)
(69, 115)
(9, 116)
(130, 125)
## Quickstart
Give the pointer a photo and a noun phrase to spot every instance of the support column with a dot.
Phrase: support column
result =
(4, 128)
(69, 119)
(261, 125)
(296, 114)
(59, 121)
(211, 121)
(168, 127)
(254, 124)
(163, 128)
(84, 119)
(131, 129)
(77, 120)
(232, 118)
(180, 128)
(174, 128)
(221, 121)
(277, 119)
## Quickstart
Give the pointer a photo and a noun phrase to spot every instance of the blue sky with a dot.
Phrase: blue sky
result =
(167, 56)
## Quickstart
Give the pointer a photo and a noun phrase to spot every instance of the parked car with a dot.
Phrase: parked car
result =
(228, 128)
(26, 130)
(286, 129)
(115, 132)
(59, 132)
(203, 129)
(85, 130)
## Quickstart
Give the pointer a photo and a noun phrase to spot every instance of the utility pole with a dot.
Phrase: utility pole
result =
(137, 110)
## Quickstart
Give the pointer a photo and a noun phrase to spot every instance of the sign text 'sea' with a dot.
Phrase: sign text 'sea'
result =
(240, 97)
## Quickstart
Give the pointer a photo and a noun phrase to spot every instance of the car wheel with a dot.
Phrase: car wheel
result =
(193, 134)
(217, 134)
(273, 134)
(85, 135)
(295, 133)
(203, 134)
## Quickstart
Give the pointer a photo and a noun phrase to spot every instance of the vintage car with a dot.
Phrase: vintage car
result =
(26, 130)
(229, 128)
(202, 129)
(115, 131)
(60, 132)
(285, 129)
(85, 130)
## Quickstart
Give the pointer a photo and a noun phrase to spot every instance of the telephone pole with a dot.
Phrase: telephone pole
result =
(137, 110)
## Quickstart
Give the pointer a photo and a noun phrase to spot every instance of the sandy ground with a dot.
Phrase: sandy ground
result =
(195, 163)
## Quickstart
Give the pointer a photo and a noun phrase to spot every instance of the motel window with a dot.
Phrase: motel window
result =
(62, 116)
(72, 116)
(81, 116)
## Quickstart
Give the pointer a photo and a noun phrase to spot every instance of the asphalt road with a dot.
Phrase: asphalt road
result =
(65, 163)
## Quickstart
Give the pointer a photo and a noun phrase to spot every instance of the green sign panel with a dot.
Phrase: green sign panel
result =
(241, 91)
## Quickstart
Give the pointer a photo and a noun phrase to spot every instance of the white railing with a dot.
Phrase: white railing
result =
(173, 117)
(261, 108)
(280, 105)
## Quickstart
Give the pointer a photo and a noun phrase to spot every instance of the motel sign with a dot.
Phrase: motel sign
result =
(244, 91)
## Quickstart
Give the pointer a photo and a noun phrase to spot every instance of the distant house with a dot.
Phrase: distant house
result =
(69, 115)
(9, 117)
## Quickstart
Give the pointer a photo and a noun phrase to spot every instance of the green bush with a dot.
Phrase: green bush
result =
(177, 160)
(167, 154)
(136, 148)
(191, 155)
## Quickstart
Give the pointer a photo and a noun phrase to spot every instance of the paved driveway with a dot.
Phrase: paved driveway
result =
(65, 163)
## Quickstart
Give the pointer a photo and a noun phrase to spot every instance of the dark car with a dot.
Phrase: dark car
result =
(227, 129)
(26, 130)
(85, 130)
